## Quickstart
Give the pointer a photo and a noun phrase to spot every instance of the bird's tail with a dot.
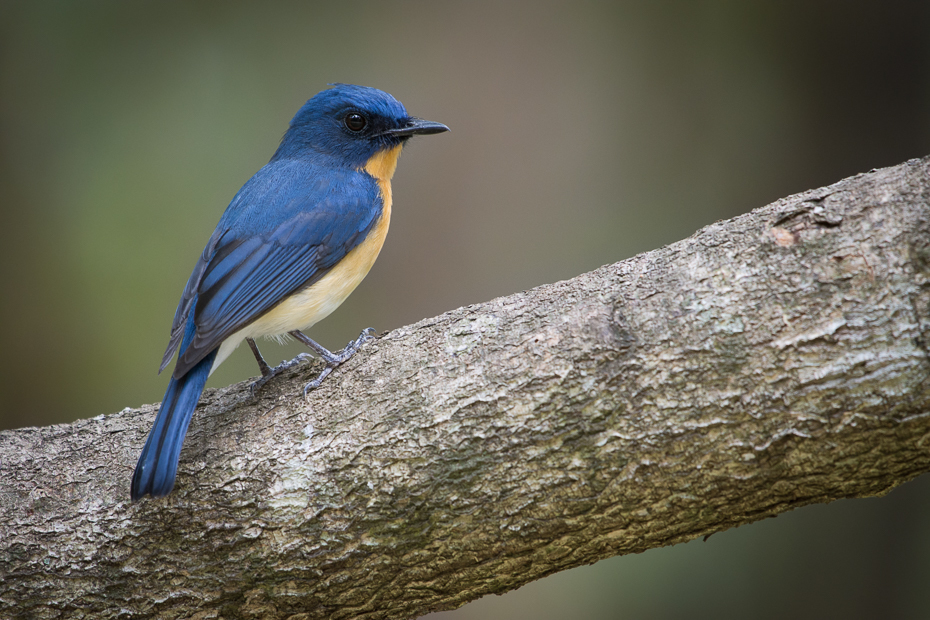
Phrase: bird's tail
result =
(158, 463)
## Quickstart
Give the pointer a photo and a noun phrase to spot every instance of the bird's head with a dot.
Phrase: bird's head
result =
(349, 125)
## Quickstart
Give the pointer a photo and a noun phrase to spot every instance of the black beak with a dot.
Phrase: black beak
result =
(416, 126)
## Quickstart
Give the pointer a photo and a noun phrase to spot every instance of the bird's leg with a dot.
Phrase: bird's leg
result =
(262, 364)
(332, 359)
(267, 372)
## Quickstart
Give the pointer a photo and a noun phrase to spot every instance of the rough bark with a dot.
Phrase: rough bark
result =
(770, 361)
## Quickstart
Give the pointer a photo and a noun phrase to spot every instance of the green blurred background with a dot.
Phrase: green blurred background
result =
(582, 134)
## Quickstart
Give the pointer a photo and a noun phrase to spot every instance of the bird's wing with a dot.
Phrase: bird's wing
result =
(274, 240)
(188, 297)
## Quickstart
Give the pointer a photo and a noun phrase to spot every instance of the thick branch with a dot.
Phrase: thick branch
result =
(767, 362)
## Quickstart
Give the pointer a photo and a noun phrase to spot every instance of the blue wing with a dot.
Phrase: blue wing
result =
(287, 226)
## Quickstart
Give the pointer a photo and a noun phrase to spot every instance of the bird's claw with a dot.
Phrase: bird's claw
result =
(333, 360)
(270, 373)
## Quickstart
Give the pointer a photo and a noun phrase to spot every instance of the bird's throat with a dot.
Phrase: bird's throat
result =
(381, 166)
(383, 163)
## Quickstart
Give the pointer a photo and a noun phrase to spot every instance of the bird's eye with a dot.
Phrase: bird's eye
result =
(355, 122)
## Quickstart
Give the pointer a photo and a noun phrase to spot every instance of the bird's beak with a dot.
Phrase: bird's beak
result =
(416, 126)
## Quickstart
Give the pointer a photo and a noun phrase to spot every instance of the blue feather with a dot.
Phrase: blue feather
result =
(158, 463)
(282, 233)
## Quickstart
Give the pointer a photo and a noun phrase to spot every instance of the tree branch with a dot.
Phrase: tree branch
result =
(770, 361)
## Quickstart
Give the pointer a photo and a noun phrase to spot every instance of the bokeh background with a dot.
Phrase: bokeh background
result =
(582, 134)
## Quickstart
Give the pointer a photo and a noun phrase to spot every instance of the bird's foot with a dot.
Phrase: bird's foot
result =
(333, 360)
(269, 373)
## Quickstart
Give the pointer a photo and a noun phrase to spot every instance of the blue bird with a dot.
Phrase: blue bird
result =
(291, 246)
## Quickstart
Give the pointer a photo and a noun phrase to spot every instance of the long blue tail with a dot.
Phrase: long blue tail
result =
(158, 463)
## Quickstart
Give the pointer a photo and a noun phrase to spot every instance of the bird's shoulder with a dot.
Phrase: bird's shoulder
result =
(293, 191)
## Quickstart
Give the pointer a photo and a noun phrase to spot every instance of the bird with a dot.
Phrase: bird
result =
(294, 242)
